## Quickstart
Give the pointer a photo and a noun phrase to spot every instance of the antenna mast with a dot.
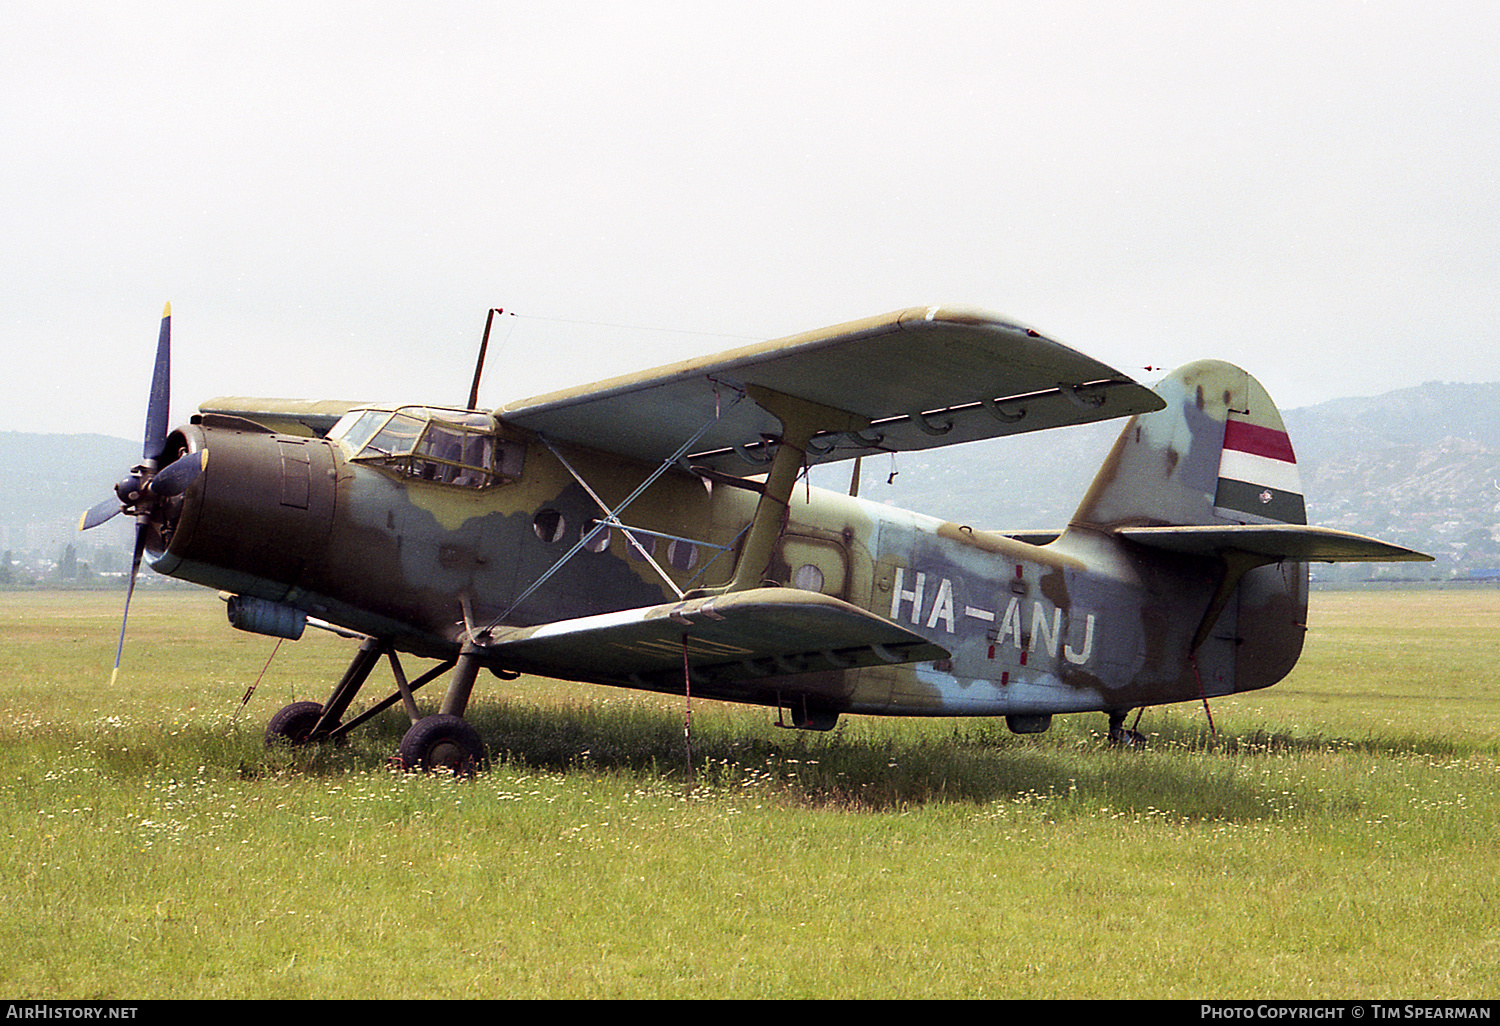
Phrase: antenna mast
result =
(484, 344)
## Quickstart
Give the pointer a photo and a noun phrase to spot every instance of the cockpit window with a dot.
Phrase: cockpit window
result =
(357, 427)
(457, 447)
(396, 437)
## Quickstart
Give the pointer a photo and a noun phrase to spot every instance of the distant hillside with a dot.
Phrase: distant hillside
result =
(46, 482)
(1419, 466)
(46, 476)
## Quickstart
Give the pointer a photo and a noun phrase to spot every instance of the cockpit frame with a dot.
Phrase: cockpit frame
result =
(431, 443)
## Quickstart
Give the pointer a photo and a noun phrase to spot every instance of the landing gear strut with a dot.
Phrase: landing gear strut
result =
(444, 741)
(1119, 734)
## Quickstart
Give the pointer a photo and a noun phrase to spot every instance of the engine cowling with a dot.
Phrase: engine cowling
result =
(257, 517)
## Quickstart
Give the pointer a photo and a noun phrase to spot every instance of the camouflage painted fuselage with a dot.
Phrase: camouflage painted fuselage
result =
(655, 531)
(1092, 620)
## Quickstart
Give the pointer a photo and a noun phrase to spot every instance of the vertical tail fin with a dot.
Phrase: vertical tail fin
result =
(1188, 482)
(1202, 506)
(1218, 454)
(1206, 496)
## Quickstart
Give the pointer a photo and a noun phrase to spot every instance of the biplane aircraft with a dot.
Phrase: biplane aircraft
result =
(653, 531)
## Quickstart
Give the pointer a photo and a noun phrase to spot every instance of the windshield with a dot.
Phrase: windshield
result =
(447, 446)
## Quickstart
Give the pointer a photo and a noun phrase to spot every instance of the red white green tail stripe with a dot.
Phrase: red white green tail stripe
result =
(1258, 475)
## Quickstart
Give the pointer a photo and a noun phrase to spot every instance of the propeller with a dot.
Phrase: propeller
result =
(143, 485)
(141, 492)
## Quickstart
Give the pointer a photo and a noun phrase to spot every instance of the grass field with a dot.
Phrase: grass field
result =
(1336, 838)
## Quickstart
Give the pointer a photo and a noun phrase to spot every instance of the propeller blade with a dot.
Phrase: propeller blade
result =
(98, 514)
(161, 391)
(143, 480)
(135, 566)
(175, 477)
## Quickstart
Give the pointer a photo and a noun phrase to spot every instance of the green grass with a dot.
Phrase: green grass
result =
(1336, 837)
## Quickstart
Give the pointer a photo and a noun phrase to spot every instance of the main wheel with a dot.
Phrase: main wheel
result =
(293, 724)
(442, 742)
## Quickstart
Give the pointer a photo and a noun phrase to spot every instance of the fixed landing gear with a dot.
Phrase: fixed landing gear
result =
(294, 724)
(1119, 734)
(441, 742)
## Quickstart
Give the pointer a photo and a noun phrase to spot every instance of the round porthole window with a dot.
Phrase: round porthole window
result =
(681, 554)
(808, 578)
(600, 541)
(549, 525)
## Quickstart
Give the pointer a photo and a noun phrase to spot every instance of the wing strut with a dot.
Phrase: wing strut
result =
(800, 420)
(611, 518)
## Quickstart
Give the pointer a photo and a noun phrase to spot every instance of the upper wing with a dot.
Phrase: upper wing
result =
(763, 632)
(918, 378)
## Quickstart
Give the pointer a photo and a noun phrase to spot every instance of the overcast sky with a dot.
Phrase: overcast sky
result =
(332, 194)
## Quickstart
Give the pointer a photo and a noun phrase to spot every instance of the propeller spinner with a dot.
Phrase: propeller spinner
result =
(144, 492)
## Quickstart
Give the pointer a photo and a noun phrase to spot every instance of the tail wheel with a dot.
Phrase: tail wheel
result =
(442, 742)
(292, 725)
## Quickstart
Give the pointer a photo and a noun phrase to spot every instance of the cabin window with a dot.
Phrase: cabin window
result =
(549, 525)
(600, 541)
(359, 427)
(808, 578)
(682, 554)
(816, 564)
(456, 447)
(395, 438)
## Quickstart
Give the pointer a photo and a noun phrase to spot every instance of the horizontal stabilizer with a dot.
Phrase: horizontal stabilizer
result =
(746, 635)
(1274, 542)
(1033, 537)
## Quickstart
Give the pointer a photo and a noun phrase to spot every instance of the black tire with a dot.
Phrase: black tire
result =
(442, 742)
(293, 724)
